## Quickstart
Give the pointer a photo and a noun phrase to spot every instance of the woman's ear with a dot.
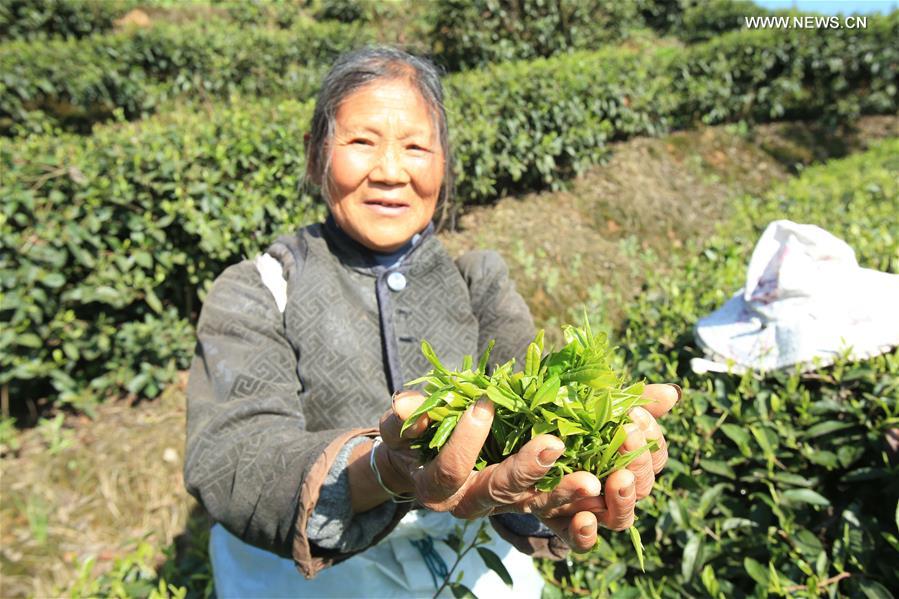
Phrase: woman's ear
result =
(311, 167)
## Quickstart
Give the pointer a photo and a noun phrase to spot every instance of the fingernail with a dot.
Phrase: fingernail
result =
(548, 456)
(586, 531)
(677, 388)
(482, 409)
(587, 492)
(640, 417)
(627, 491)
(401, 396)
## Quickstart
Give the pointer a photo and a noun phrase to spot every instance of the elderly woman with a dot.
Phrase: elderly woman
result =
(293, 441)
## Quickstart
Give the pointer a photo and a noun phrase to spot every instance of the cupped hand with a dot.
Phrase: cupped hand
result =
(573, 510)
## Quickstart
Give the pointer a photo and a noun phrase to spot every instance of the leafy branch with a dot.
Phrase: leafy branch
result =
(456, 542)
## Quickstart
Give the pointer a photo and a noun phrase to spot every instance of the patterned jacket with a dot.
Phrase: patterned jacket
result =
(276, 391)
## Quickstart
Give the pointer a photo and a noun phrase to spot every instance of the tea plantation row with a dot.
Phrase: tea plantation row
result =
(74, 83)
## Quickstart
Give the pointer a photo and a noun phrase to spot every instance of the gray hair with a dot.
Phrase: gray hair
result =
(356, 69)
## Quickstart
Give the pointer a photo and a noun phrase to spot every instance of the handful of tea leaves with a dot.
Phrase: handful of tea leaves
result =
(574, 394)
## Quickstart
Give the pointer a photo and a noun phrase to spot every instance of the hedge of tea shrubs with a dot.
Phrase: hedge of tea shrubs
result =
(780, 484)
(700, 20)
(475, 33)
(531, 124)
(75, 83)
(42, 19)
(104, 235)
(127, 225)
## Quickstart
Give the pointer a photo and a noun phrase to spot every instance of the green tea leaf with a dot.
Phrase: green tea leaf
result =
(547, 392)
(739, 436)
(805, 496)
(469, 389)
(583, 374)
(428, 352)
(566, 427)
(603, 409)
(826, 427)
(756, 571)
(717, 467)
(512, 441)
(426, 405)
(709, 581)
(443, 432)
(492, 561)
(690, 560)
(482, 363)
(540, 428)
(638, 545)
(709, 498)
(873, 589)
(532, 361)
(460, 591)
(504, 399)
(549, 482)
(617, 440)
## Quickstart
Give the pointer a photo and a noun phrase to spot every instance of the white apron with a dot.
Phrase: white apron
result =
(392, 568)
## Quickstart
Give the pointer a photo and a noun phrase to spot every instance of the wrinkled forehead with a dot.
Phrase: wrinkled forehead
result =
(396, 102)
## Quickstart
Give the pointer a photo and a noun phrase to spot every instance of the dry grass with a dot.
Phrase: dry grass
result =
(114, 480)
(95, 487)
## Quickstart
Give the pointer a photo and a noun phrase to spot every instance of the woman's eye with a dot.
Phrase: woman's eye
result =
(360, 140)
(417, 147)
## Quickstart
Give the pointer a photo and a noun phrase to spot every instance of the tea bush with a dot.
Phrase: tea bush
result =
(107, 234)
(770, 74)
(777, 484)
(41, 19)
(702, 21)
(699, 20)
(79, 82)
(476, 33)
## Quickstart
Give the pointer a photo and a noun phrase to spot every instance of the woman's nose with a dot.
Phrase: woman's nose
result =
(389, 167)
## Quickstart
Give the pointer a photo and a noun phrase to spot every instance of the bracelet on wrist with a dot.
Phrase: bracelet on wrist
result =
(395, 497)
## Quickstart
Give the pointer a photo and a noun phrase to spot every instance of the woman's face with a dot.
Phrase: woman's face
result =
(386, 165)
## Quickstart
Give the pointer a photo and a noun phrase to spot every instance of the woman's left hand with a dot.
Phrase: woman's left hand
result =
(573, 510)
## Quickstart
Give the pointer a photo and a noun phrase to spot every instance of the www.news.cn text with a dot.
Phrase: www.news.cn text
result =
(806, 22)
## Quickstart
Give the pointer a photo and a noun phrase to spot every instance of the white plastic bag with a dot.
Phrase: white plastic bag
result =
(806, 301)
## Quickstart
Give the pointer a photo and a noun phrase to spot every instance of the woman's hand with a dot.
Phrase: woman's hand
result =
(573, 510)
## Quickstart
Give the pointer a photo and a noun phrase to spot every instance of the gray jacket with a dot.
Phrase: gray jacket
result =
(273, 396)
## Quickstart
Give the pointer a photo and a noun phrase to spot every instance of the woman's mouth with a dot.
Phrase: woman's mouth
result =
(387, 207)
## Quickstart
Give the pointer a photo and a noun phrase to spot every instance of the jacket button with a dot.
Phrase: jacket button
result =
(396, 281)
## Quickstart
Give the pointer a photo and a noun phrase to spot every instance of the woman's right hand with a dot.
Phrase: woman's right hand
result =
(449, 483)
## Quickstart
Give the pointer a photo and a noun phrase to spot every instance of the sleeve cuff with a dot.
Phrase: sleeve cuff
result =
(545, 547)
(311, 559)
(333, 525)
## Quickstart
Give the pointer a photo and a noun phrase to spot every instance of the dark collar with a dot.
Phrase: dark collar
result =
(357, 256)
